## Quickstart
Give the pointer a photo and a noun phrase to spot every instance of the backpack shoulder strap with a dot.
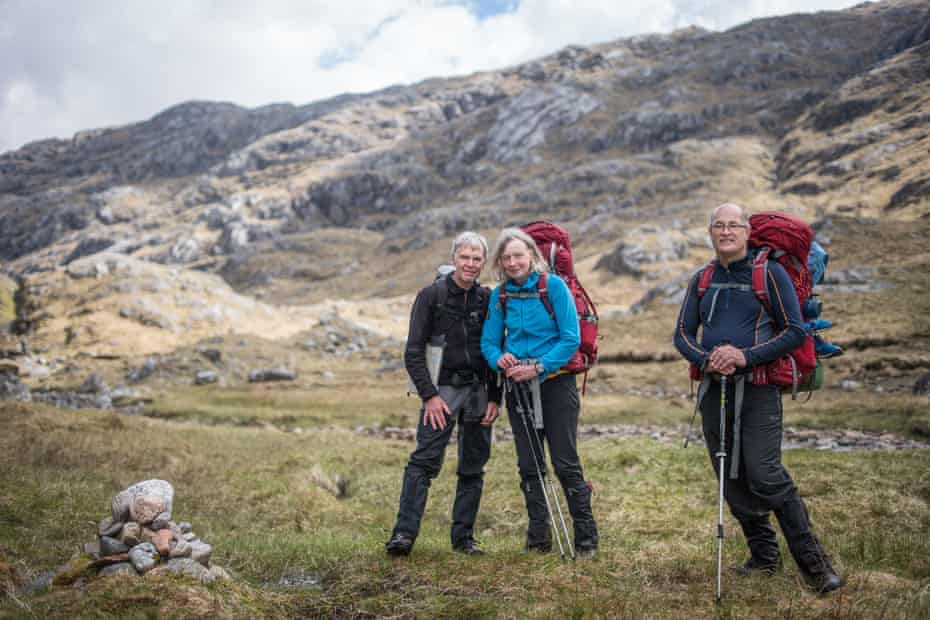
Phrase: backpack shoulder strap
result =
(542, 286)
(707, 274)
(760, 272)
(502, 297)
(439, 297)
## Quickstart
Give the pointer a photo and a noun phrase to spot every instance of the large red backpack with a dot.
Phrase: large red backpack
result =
(554, 244)
(787, 240)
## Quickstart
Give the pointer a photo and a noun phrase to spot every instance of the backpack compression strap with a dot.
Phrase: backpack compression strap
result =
(760, 272)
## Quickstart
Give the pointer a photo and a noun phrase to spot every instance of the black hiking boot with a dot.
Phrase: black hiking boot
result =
(754, 566)
(813, 562)
(586, 553)
(399, 545)
(819, 575)
(469, 547)
(539, 547)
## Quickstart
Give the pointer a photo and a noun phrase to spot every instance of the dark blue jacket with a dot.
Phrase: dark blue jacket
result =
(739, 317)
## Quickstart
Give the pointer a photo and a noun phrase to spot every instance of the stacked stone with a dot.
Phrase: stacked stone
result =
(140, 537)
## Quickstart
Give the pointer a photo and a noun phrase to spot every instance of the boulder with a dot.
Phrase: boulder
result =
(181, 549)
(201, 552)
(184, 251)
(154, 497)
(162, 541)
(144, 557)
(94, 384)
(11, 388)
(109, 527)
(146, 370)
(120, 568)
(186, 567)
(206, 377)
(112, 546)
(131, 535)
(272, 374)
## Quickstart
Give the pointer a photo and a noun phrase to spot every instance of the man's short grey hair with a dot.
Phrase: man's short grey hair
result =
(742, 212)
(537, 262)
(471, 239)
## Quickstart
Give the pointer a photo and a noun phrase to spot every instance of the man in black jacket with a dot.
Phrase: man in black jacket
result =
(737, 334)
(450, 313)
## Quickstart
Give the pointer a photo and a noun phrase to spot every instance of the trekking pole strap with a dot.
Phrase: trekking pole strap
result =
(739, 389)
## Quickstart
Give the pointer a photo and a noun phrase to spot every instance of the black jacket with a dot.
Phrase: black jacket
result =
(445, 309)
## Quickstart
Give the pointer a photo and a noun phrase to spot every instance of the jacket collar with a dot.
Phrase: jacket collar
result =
(743, 263)
(528, 285)
(455, 289)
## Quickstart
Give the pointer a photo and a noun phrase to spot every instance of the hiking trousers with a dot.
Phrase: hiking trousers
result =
(468, 405)
(560, 408)
(763, 484)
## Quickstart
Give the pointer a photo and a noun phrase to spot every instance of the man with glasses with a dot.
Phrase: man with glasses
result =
(738, 333)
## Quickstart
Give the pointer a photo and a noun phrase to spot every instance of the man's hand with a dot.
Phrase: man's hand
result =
(490, 414)
(435, 411)
(521, 372)
(507, 360)
(725, 359)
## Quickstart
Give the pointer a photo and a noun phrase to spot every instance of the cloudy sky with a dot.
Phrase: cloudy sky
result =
(67, 65)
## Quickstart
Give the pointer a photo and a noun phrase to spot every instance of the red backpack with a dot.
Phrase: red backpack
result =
(787, 240)
(554, 244)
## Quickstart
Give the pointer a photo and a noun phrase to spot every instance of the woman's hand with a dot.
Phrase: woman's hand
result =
(507, 360)
(490, 414)
(521, 372)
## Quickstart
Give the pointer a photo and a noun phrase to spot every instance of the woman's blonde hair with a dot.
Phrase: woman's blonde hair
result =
(537, 262)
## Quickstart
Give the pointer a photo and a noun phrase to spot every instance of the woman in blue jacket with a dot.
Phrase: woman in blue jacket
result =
(538, 344)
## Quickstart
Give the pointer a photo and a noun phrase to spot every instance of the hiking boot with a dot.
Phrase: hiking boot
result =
(810, 556)
(469, 547)
(586, 553)
(820, 576)
(541, 547)
(400, 544)
(754, 566)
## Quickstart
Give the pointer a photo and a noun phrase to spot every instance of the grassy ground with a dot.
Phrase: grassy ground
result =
(617, 394)
(259, 496)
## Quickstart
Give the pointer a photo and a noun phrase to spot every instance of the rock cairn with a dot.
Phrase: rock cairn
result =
(140, 538)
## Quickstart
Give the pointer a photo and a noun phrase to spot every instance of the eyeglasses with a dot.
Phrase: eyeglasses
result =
(719, 227)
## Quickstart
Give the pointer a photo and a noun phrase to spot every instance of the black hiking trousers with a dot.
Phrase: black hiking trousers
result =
(468, 405)
(763, 485)
(560, 407)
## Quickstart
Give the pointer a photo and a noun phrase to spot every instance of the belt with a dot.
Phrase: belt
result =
(459, 378)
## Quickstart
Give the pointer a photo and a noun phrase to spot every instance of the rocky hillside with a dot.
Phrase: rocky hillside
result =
(212, 219)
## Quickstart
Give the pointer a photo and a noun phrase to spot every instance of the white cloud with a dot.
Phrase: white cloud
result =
(67, 66)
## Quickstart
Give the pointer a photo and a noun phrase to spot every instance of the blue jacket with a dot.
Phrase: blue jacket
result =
(531, 332)
(738, 316)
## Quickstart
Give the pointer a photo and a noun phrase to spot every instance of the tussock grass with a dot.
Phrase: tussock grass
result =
(254, 494)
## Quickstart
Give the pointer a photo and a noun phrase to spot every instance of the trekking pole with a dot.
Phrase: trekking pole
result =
(722, 455)
(555, 495)
(523, 414)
